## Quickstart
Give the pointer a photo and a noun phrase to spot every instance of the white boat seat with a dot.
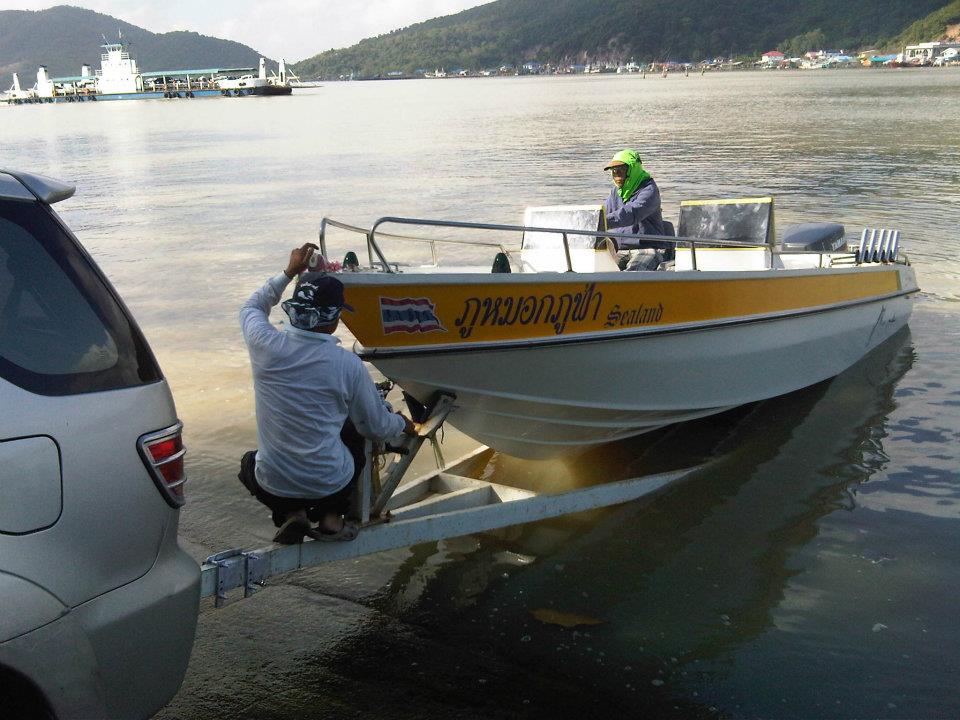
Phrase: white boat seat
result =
(813, 237)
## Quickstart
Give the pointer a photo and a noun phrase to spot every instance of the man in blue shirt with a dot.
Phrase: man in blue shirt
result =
(307, 387)
(633, 207)
(634, 203)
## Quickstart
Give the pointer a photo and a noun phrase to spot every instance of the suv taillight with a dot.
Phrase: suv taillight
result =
(162, 453)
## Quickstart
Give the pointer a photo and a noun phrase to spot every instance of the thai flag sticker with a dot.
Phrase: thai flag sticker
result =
(409, 315)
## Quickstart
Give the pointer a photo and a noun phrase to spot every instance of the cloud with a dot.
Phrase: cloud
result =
(294, 29)
(297, 30)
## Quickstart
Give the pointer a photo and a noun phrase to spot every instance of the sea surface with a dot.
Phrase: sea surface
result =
(811, 568)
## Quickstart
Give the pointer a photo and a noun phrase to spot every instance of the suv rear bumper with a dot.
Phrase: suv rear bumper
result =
(137, 636)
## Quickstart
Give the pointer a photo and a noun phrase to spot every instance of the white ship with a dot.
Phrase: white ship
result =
(120, 78)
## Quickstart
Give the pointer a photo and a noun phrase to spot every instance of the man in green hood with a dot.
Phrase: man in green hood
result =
(633, 207)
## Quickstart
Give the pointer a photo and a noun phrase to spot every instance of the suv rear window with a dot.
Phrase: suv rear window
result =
(62, 331)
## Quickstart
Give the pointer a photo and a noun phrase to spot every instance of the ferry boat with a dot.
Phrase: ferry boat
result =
(119, 78)
(554, 349)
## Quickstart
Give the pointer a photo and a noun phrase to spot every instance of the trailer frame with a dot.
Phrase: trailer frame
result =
(438, 505)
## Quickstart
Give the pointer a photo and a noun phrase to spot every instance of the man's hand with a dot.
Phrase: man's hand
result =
(409, 426)
(299, 259)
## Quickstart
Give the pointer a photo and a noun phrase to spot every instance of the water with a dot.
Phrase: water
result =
(810, 571)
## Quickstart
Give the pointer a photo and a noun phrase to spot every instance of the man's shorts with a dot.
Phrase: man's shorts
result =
(337, 504)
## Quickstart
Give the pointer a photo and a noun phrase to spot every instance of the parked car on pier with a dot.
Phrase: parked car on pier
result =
(99, 603)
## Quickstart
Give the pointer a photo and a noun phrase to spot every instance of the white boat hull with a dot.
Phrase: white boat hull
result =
(541, 402)
(622, 353)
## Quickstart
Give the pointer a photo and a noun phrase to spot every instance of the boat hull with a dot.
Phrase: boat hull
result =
(275, 90)
(549, 396)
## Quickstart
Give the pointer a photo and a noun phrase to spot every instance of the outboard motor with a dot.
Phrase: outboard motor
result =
(813, 237)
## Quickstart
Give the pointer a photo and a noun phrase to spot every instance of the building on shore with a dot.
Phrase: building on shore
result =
(927, 53)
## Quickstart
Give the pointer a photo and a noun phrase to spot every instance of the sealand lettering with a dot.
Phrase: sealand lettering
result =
(641, 315)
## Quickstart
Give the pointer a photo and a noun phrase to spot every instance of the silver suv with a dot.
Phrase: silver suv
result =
(98, 604)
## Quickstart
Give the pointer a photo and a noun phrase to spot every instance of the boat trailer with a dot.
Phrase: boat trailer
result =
(436, 506)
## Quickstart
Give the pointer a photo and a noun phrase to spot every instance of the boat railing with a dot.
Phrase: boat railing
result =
(374, 250)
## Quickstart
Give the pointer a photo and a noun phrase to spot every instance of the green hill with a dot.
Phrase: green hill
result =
(515, 31)
(65, 37)
(937, 26)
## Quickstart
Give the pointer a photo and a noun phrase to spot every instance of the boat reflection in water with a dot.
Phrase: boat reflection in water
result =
(693, 575)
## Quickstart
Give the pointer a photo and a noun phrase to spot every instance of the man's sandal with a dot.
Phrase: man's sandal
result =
(348, 532)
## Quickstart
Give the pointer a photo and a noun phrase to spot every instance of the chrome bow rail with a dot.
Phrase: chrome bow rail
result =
(875, 246)
(374, 250)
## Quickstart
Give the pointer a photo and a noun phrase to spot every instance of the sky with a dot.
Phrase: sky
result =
(291, 29)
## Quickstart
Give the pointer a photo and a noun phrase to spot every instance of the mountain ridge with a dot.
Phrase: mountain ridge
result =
(64, 37)
(515, 31)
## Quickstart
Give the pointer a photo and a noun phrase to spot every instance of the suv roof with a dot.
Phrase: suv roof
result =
(42, 188)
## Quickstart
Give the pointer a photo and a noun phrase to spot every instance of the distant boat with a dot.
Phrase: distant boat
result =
(119, 78)
(16, 93)
(258, 85)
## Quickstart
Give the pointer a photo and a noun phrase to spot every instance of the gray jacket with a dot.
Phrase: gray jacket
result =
(640, 215)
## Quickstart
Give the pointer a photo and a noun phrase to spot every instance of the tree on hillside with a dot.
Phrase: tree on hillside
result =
(932, 27)
(804, 42)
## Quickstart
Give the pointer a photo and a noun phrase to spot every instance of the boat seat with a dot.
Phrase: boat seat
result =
(670, 231)
(813, 237)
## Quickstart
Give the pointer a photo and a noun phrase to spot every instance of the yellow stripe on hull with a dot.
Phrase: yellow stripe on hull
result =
(413, 313)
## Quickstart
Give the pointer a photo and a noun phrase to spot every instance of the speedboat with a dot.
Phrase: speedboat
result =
(550, 348)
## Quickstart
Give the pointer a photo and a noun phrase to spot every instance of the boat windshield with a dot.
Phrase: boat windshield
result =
(739, 219)
(562, 217)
